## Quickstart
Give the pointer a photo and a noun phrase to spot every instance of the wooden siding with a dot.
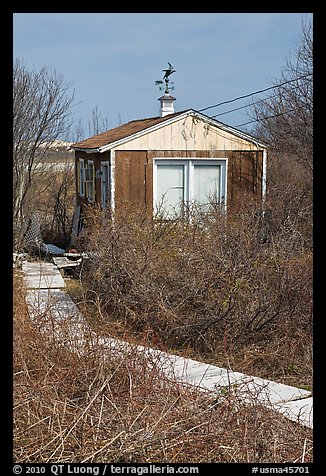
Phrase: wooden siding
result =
(244, 174)
(134, 173)
(130, 177)
(188, 133)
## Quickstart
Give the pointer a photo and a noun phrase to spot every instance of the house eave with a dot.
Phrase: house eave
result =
(141, 133)
(175, 118)
(208, 120)
(232, 130)
(87, 151)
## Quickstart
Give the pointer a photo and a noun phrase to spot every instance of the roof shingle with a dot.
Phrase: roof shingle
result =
(120, 132)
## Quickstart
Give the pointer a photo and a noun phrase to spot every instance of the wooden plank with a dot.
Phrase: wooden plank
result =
(245, 173)
(131, 178)
(259, 173)
(149, 182)
(251, 178)
(257, 159)
(230, 191)
(64, 262)
(137, 177)
(235, 160)
(122, 178)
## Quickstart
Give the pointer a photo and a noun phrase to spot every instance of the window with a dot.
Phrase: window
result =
(171, 187)
(90, 181)
(81, 177)
(86, 179)
(105, 183)
(206, 183)
(178, 182)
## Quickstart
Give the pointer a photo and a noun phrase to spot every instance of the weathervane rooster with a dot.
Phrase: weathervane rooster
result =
(167, 74)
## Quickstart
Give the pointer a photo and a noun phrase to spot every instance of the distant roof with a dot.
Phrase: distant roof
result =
(121, 132)
(100, 141)
(55, 144)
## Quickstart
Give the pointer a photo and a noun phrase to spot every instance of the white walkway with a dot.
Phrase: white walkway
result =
(68, 326)
(42, 275)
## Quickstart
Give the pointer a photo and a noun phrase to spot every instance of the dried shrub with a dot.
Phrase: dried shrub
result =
(91, 407)
(217, 286)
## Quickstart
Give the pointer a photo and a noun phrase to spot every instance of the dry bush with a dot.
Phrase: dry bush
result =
(216, 286)
(51, 196)
(86, 407)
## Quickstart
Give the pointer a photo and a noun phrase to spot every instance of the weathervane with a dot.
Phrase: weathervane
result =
(167, 73)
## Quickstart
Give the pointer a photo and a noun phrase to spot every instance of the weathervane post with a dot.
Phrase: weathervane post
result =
(167, 74)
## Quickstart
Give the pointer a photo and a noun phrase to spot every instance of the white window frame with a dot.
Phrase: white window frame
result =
(223, 178)
(189, 176)
(164, 161)
(92, 181)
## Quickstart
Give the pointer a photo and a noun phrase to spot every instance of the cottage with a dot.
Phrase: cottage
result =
(166, 161)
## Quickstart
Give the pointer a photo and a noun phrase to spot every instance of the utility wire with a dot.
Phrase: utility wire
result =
(264, 118)
(236, 109)
(247, 105)
(255, 92)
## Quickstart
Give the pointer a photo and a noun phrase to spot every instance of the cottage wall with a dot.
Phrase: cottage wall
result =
(134, 173)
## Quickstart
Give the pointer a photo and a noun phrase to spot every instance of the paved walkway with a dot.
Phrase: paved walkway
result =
(42, 275)
(68, 326)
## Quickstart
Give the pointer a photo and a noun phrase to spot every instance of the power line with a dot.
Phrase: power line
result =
(264, 118)
(236, 109)
(242, 107)
(247, 105)
(255, 92)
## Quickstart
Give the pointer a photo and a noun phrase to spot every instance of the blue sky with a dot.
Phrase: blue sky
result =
(113, 59)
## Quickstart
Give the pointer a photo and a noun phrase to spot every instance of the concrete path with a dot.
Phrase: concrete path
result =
(42, 275)
(67, 325)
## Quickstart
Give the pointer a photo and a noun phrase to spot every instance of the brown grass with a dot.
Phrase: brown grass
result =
(92, 408)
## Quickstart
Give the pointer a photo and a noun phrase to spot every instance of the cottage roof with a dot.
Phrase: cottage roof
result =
(101, 142)
(120, 132)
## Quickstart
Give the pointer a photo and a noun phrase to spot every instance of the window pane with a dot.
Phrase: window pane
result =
(170, 187)
(206, 183)
(104, 184)
(82, 178)
(90, 181)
